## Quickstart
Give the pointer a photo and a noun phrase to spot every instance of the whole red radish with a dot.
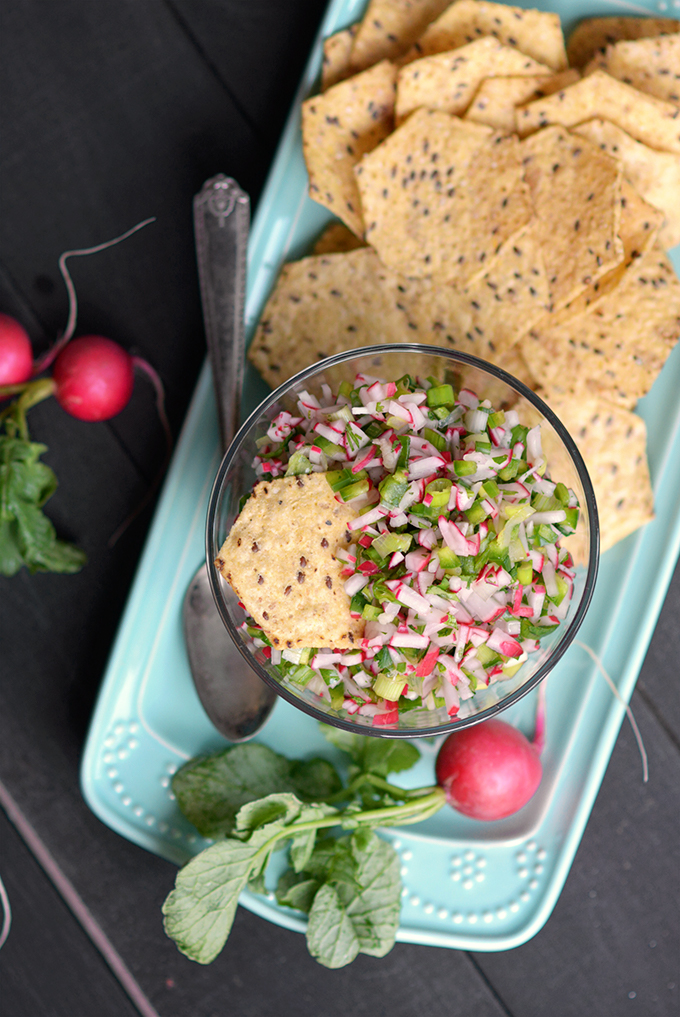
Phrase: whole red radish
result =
(488, 771)
(16, 354)
(93, 378)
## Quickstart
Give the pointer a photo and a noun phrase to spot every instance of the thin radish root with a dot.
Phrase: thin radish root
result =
(143, 365)
(539, 723)
(636, 731)
(6, 914)
(48, 358)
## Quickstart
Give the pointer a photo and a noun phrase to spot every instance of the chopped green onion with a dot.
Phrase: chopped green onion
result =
(476, 513)
(448, 559)
(354, 490)
(389, 688)
(393, 487)
(300, 674)
(487, 656)
(371, 612)
(525, 573)
(329, 447)
(298, 464)
(388, 543)
(441, 395)
(519, 433)
(404, 443)
(562, 493)
(440, 491)
(435, 438)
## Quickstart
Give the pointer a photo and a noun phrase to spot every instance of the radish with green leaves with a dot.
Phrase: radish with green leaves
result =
(92, 380)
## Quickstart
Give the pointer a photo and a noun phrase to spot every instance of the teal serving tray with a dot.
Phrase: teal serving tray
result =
(467, 885)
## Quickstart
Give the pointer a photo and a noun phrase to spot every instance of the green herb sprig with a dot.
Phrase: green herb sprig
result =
(344, 876)
(27, 536)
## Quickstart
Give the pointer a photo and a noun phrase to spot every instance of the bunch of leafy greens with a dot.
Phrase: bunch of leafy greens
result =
(252, 801)
(27, 537)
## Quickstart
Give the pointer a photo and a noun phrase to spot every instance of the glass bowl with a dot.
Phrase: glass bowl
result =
(236, 477)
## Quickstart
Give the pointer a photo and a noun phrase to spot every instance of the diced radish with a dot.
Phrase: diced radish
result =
(426, 665)
(410, 598)
(355, 583)
(501, 642)
(417, 560)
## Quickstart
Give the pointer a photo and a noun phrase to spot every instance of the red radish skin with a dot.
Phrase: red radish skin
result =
(16, 353)
(488, 771)
(93, 378)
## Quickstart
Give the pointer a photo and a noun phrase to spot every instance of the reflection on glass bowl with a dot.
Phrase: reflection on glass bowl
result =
(236, 477)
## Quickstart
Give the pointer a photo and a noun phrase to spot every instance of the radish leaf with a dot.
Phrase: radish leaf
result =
(210, 790)
(380, 756)
(357, 910)
(199, 912)
(27, 536)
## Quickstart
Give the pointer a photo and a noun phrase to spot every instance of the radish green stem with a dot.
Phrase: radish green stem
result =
(32, 393)
(631, 718)
(42, 363)
(410, 812)
(381, 785)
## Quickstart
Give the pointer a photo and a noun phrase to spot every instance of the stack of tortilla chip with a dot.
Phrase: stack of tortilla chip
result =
(504, 195)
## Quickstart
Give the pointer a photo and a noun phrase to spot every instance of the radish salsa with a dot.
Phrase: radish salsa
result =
(455, 564)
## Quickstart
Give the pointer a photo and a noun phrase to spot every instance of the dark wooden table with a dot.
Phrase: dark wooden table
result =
(114, 110)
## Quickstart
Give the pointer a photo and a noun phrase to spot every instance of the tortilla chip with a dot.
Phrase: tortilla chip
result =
(651, 121)
(575, 189)
(613, 443)
(639, 230)
(536, 33)
(336, 238)
(280, 560)
(389, 27)
(441, 195)
(340, 126)
(618, 347)
(495, 99)
(650, 65)
(336, 53)
(640, 225)
(325, 305)
(595, 34)
(654, 175)
(448, 81)
(510, 297)
(514, 363)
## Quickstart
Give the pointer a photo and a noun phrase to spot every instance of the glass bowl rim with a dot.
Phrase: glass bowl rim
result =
(593, 554)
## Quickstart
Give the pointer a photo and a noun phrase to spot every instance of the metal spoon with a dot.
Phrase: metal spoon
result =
(235, 699)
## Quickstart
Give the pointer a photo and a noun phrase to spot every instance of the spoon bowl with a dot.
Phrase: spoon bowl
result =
(234, 697)
(236, 700)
